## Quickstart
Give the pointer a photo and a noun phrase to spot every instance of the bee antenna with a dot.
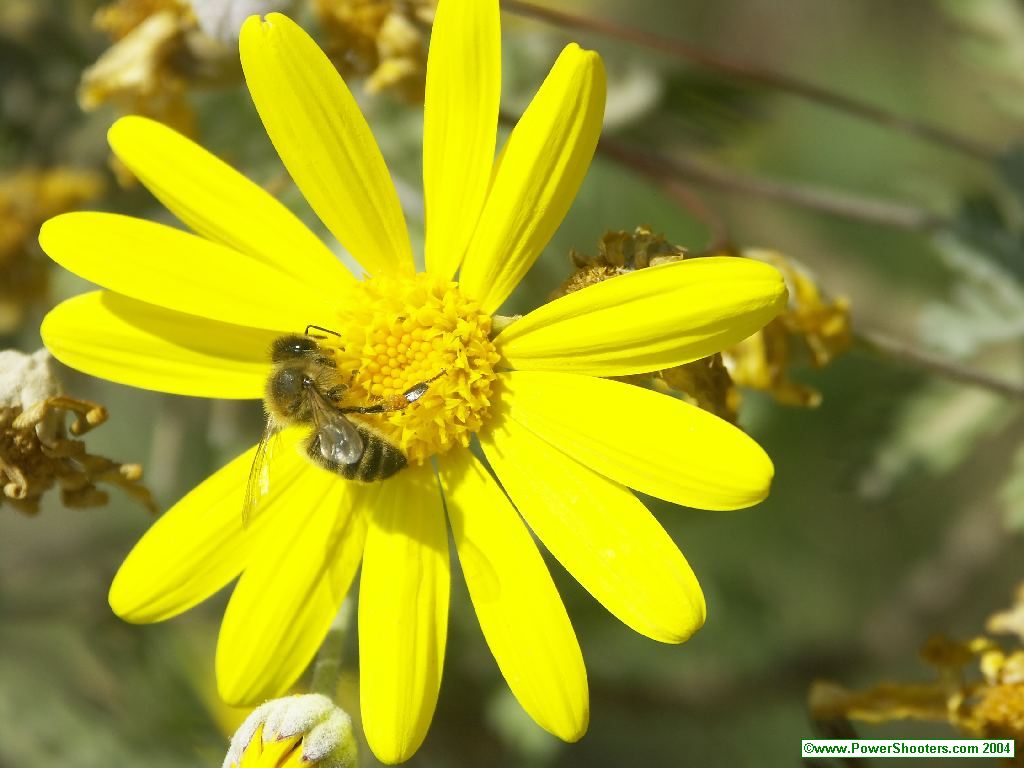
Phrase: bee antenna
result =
(319, 328)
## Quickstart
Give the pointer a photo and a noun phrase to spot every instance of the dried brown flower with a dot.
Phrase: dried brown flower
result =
(36, 452)
(384, 41)
(979, 689)
(145, 71)
(27, 198)
(159, 54)
(818, 326)
(1010, 621)
(763, 361)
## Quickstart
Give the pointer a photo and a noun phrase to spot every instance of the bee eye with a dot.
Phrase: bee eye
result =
(286, 385)
(292, 348)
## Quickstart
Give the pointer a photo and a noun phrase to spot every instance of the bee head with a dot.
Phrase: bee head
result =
(292, 347)
(286, 389)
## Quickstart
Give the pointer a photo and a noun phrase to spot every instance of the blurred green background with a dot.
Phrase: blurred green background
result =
(897, 505)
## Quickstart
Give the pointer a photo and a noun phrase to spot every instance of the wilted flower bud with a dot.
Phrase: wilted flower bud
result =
(307, 730)
(36, 452)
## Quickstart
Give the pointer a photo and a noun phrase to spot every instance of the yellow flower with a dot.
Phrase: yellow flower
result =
(195, 315)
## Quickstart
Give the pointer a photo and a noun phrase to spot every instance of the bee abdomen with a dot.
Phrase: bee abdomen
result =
(380, 459)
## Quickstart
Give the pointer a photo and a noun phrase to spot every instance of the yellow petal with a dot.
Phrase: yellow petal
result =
(180, 271)
(601, 533)
(520, 612)
(649, 319)
(403, 614)
(460, 122)
(648, 441)
(120, 339)
(324, 141)
(291, 589)
(200, 543)
(541, 169)
(221, 204)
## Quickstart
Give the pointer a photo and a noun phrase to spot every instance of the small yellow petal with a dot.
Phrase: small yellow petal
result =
(221, 204)
(649, 319)
(324, 141)
(647, 441)
(174, 269)
(541, 169)
(520, 612)
(601, 533)
(291, 589)
(120, 339)
(460, 122)
(403, 614)
(200, 543)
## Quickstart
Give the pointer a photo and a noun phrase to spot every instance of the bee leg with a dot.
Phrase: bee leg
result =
(399, 402)
(379, 408)
(415, 392)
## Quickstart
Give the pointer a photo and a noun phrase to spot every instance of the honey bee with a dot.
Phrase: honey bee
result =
(304, 390)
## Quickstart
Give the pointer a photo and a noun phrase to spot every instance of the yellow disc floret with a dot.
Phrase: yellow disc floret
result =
(399, 331)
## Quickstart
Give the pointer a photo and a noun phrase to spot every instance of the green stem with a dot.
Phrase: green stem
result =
(327, 665)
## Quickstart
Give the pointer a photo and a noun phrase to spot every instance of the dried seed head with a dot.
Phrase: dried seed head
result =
(35, 450)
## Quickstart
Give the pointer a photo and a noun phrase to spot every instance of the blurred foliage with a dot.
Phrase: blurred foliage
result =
(888, 519)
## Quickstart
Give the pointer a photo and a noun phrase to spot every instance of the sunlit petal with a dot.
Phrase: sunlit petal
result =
(291, 589)
(460, 121)
(648, 441)
(600, 532)
(403, 613)
(221, 204)
(120, 339)
(324, 141)
(541, 169)
(649, 319)
(200, 543)
(520, 612)
(181, 271)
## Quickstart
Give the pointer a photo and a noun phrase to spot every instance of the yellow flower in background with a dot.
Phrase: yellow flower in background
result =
(196, 315)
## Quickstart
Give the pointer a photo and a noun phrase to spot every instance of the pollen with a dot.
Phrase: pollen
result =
(399, 331)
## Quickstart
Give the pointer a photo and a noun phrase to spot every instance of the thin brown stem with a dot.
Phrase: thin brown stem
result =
(900, 351)
(685, 198)
(754, 74)
(661, 167)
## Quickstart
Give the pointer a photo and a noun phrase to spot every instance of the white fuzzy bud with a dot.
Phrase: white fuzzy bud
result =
(222, 19)
(314, 722)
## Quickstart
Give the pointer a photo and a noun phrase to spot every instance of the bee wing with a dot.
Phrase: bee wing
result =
(336, 437)
(258, 484)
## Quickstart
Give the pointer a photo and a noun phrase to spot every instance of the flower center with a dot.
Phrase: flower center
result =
(400, 331)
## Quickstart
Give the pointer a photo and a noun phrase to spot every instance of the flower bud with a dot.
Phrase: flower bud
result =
(307, 730)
